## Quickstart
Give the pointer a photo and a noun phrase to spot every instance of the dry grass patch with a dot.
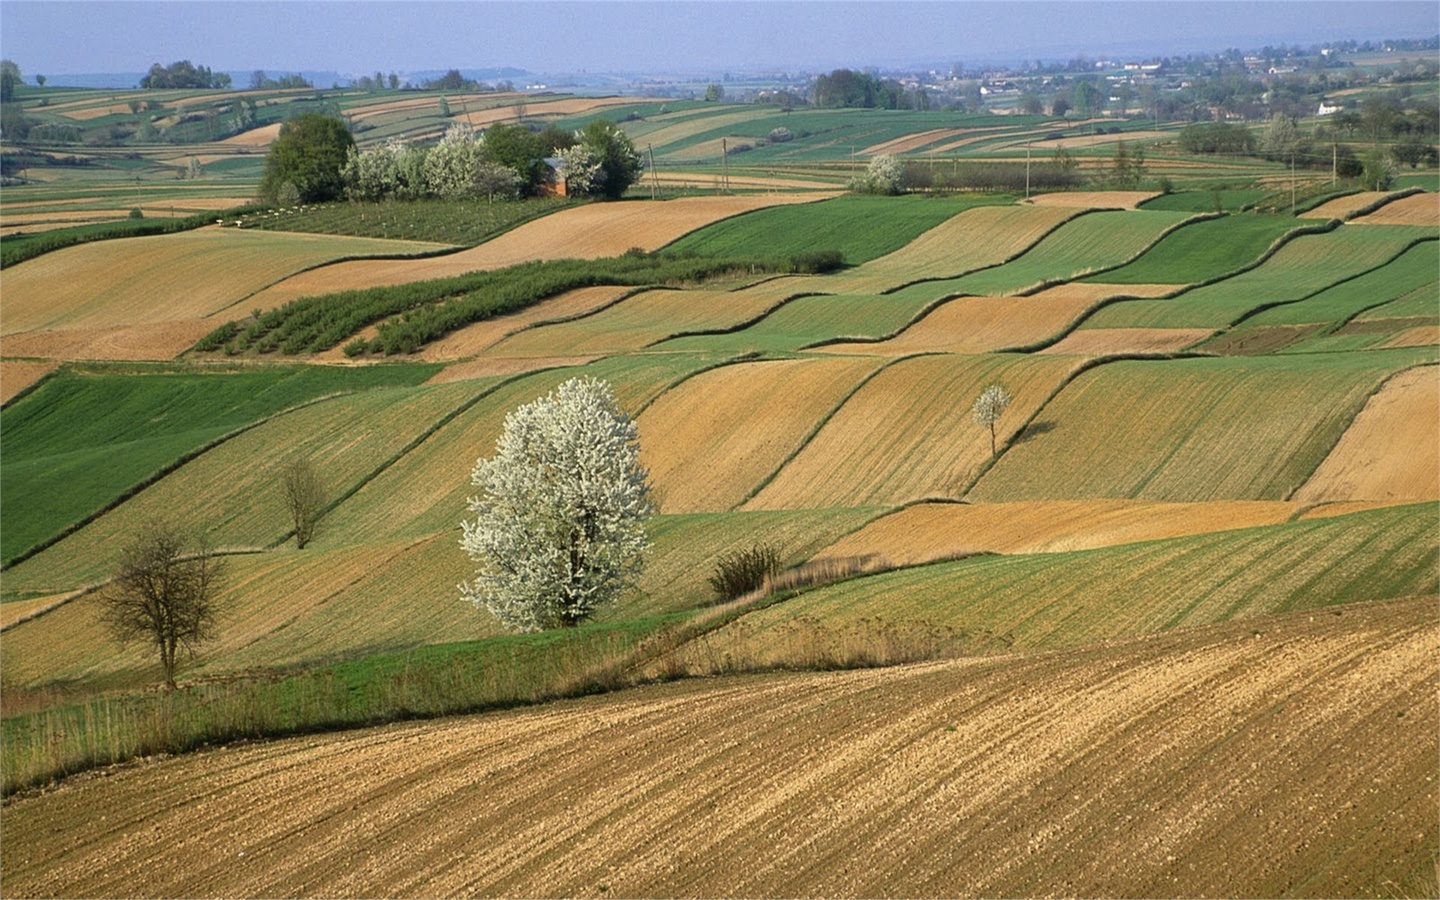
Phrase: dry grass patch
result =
(1416, 209)
(1106, 341)
(18, 610)
(263, 136)
(583, 232)
(1341, 207)
(1390, 452)
(18, 374)
(931, 531)
(1419, 336)
(1094, 199)
(907, 433)
(475, 339)
(709, 442)
(165, 278)
(1134, 769)
(155, 341)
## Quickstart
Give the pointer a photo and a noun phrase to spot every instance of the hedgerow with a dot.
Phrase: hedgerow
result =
(408, 316)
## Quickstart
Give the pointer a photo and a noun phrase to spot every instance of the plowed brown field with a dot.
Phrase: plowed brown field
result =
(584, 232)
(1094, 199)
(930, 531)
(158, 340)
(711, 441)
(1419, 336)
(980, 324)
(1341, 207)
(1136, 769)
(1105, 341)
(1416, 209)
(166, 278)
(1389, 452)
(18, 374)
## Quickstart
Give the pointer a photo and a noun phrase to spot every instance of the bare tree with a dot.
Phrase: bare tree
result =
(989, 407)
(304, 498)
(163, 592)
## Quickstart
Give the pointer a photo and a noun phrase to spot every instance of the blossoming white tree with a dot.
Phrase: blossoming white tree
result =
(559, 526)
(989, 407)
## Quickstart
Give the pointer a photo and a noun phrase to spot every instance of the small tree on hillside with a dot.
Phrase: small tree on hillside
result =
(163, 593)
(620, 164)
(559, 525)
(310, 153)
(989, 407)
(304, 494)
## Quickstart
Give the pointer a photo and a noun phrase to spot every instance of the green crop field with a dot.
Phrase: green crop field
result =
(1248, 428)
(1400, 287)
(809, 320)
(997, 603)
(1305, 266)
(1096, 241)
(860, 227)
(1231, 200)
(1203, 250)
(82, 439)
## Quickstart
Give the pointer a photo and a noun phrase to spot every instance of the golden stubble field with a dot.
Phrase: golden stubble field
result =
(1288, 736)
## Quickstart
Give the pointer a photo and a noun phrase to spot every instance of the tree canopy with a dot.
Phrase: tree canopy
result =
(184, 74)
(559, 525)
(309, 154)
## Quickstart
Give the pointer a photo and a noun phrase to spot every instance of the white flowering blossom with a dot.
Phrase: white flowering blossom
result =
(989, 407)
(582, 169)
(559, 526)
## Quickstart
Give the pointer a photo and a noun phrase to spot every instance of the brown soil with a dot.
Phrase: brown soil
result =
(1341, 207)
(930, 531)
(1420, 336)
(912, 141)
(18, 374)
(1104, 341)
(157, 340)
(1094, 199)
(584, 232)
(1135, 769)
(481, 336)
(1389, 451)
(1416, 209)
(1258, 339)
(255, 137)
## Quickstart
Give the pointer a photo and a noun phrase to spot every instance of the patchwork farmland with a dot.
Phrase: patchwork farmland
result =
(1183, 604)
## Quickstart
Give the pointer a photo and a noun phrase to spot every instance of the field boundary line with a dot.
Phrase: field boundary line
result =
(1350, 421)
(824, 420)
(694, 373)
(1383, 202)
(1336, 326)
(149, 481)
(415, 442)
(1081, 368)
(31, 388)
(919, 316)
(1275, 245)
(739, 326)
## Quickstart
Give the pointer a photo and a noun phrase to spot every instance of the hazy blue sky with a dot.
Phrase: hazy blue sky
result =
(54, 37)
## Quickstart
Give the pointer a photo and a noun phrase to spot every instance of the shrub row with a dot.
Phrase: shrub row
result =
(411, 315)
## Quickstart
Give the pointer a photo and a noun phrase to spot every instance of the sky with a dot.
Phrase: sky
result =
(56, 37)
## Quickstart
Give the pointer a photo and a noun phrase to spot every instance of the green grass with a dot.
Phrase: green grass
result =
(1202, 250)
(20, 247)
(83, 438)
(462, 223)
(1305, 266)
(860, 227)
(1405, 283)
(1224, 199)
(1247, 428)
(1095, 241)
(1069, 599)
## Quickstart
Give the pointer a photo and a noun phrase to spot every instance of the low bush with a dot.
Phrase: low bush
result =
(742, 572)
(817, 262)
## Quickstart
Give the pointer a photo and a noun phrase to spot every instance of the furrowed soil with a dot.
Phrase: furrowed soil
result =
(583, 232)
(1416, 209)
(1094, 199)
(1133, 769)
(1364, 465)
(1105, 341)
(930, 531)
(18, 374)
(1341, 207)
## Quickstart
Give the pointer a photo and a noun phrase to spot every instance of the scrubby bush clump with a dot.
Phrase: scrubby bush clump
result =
(741, 572)
(882, 176)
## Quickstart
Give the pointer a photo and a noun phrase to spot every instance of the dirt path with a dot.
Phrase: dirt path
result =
(1138, 769)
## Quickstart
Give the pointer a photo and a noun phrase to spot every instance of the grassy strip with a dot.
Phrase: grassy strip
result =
(463, 223)
(84, 443)
(1203, 251)
(18, 248)
(411, 315)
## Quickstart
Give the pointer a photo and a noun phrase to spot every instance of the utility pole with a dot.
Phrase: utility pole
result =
(1292, 182)
(654, 175)
(724, 166)
(1027, 170)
